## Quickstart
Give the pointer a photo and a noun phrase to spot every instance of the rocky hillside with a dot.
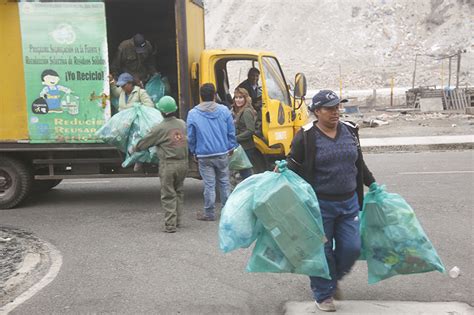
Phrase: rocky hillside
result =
(367, 41)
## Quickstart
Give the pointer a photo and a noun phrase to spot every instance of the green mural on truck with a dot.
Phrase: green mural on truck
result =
(65, 62)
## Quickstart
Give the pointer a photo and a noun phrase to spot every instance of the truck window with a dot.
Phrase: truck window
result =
(275, 81)
(237, 72)
(229, 74)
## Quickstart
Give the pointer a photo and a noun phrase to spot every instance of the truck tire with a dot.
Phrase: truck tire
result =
(41, 186)
(16, 181)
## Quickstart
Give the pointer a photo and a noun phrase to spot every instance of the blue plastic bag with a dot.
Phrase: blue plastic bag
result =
(281, 211)
(393, 241)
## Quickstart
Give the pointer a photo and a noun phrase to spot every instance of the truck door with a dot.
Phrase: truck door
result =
(277, 122)
(65, 60)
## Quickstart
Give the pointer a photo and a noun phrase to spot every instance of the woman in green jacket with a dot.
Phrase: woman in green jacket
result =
(244, 120)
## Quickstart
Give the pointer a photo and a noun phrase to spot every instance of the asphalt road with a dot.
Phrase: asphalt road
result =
(117, 260)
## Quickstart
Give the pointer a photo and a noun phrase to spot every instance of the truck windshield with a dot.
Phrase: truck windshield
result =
(274, 80)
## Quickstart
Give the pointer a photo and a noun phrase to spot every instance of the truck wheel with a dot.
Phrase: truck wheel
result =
(15, 182)
(40, 186)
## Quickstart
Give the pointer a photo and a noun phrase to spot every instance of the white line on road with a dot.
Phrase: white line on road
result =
(429, 173)
(89, 182)
(56, 262)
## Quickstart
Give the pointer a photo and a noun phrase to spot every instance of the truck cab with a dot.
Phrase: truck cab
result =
(280, 113)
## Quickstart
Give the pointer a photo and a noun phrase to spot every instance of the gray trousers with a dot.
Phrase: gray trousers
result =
(172, 175)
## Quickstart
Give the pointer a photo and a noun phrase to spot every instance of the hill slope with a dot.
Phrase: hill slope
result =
(371, 41)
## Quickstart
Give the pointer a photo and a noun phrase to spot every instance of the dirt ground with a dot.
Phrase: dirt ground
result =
(413, 124)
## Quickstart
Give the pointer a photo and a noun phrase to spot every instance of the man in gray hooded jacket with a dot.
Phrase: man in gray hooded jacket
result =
(211, 139)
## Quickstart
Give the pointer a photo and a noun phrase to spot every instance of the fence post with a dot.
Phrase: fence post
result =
(374, 97)
(391, 92)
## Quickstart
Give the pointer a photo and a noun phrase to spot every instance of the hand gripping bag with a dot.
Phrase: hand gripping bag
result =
(393, 241)
(287, 224)
(289, 212)
(239, 160)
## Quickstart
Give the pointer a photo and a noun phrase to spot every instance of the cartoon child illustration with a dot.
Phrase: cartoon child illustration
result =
(52, 90)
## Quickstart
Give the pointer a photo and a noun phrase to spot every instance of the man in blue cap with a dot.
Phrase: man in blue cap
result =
(127, 92)
(135, 56)
(327, 154)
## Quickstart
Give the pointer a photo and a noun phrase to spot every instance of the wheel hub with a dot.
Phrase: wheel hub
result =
(5, 181)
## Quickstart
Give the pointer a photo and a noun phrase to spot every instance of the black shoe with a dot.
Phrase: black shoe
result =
(203, 217)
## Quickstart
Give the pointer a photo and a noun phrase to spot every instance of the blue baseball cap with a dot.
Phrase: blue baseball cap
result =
(325, 98)
(124, 78)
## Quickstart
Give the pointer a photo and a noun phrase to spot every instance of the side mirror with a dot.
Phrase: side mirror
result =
(300, 85)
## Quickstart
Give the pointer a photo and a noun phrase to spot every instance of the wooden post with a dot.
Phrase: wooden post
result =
(442, 74)
(391, 92)
(340, 82)
(449, 75)
(458, 69)
(374, 96)
(414, 73)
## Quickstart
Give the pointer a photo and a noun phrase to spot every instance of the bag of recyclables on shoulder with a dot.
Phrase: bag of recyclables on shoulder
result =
(393, 241)
(129, 126)
(281, 212)
(239, 160)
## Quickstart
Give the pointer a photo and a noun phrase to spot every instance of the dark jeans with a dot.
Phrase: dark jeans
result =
(251, 154)
(341, 226)
(214, 169)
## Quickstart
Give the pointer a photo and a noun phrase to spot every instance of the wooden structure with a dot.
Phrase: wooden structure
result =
(459, 98)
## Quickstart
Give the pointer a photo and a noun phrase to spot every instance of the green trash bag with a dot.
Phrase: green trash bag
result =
(127, 127)
(156, 88)
(239, 160)
(146, 119)
(238, 224)
(393, 241)
(286, 222)
(116, 130)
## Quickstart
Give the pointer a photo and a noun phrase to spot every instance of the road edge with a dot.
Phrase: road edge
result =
(418, 147)
(56, 263)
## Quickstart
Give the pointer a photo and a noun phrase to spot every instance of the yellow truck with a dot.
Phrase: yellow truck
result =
(55, 91)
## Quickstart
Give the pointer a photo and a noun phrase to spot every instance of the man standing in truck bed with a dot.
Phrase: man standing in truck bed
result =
(169, 137)
(135, 56)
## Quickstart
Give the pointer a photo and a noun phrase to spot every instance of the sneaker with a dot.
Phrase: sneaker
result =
(169, 230)
(326, 306)
(203, 217)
